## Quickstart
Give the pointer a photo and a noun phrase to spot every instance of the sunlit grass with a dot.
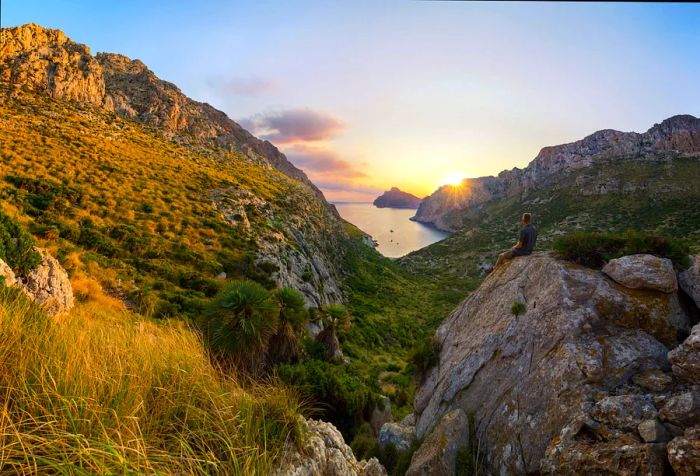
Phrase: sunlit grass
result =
(106, 391)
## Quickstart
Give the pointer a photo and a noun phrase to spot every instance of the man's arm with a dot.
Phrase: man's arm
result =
(518, 245)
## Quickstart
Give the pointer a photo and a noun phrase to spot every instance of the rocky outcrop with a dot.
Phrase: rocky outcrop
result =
(325, 453)
(684, 453)
(689, 280)
(678, 136)
(437, 455)
(643, 272)
(48, 284)
(396, 198)
(567, 385)
(685, 359)
(401, 434)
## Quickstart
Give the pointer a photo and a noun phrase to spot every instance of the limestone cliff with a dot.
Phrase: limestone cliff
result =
(579, 382)
(678, 136)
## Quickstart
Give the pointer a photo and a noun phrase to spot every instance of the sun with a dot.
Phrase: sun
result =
(453, 179)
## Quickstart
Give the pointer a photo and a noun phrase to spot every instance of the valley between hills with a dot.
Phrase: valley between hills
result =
(180, 298)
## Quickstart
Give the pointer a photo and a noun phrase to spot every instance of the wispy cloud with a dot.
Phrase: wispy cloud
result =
(248, 86)
(321, 161)
(294, 126)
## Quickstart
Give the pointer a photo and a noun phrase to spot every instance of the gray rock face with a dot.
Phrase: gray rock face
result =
(397, 434)
(643, 272)
(49, 285)
(682, 410)
(624, 412)
(325, 454)
(381, 414)
(533, 379)
(437, 455)
(652, 431)
(689, 280)
(684, 453)
(685, 359)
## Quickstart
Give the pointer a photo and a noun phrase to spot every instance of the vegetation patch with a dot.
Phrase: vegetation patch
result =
(594, 249)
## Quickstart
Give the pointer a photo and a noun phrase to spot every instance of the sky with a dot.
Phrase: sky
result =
(366, 95)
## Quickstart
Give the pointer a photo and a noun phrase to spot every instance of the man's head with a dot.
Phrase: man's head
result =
(526, 218)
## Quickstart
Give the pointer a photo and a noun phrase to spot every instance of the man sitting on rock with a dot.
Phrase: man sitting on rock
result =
(525, 244)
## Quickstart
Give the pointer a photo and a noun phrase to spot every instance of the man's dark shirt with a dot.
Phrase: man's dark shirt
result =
(528, 237)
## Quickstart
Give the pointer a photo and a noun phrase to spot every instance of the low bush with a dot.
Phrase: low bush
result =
(518, 308)
(17, 246)
(425, 356)
(239, 321)
(593, 249)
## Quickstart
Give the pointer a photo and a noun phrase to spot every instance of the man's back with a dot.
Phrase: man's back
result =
(528, 237)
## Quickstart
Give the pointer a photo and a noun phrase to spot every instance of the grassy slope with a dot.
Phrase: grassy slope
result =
(128, 211)
(133, 206)
(562, 209)
(104, 391)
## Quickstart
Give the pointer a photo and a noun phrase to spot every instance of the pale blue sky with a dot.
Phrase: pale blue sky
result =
(368, 94)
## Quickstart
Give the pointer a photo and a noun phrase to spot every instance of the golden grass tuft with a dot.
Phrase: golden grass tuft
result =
(104, 391)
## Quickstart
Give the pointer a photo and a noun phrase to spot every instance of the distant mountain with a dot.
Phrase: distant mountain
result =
(609, 181)
(676, 137)
(396, 198)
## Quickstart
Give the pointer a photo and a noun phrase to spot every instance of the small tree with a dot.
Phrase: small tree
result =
(293, 316)
(336, 322)
(240, 321)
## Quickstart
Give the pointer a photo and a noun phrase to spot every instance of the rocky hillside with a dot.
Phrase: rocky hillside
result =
(396, 198)
(101, 154)
(676, 137)
(596, 372)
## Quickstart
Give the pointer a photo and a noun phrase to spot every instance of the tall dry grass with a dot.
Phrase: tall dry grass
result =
(108, 392)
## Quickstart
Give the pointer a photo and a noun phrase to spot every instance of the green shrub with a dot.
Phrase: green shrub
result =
(365, 445)
(425, 356)
(240, 320)
(17, 246)
(293, 316)
(518, 308)
(344, 395)
(336, 323)
(593, 249)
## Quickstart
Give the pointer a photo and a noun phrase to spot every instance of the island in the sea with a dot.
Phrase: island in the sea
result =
(396, 198)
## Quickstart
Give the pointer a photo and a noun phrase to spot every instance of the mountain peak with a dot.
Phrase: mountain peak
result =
(45, 60)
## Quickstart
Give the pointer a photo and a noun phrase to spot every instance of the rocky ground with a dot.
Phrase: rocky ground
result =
(599, 375)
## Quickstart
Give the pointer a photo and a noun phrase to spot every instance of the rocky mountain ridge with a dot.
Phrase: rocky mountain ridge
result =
(677, 136)
(599, 374)
(395, 198)
(299, 236)
(47, 60)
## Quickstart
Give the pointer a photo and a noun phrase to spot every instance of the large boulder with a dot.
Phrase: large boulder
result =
(643, 272)
(685, 359)
(325, 453)
(397, 434)
(48, 284)
(613, 458)
(682, 410)
(381, 414)
(8, 276)
(689, 280)
(437, 456)
(525, 378)
(684, 453)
